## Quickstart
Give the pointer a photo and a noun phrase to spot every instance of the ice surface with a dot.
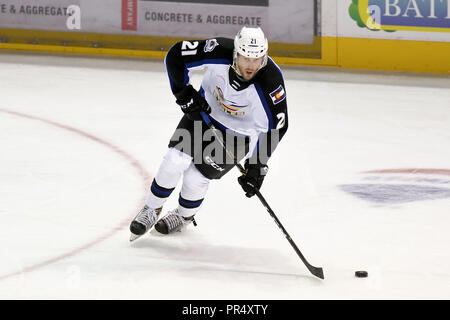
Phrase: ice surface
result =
(82, 137)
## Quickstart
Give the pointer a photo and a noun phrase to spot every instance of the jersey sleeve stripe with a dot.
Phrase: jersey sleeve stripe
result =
(168, 73)
(268, 113)
(265, 105)
(185, 79)
(186, 76)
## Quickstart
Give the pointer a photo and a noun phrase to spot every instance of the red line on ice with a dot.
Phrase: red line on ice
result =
(145, 176)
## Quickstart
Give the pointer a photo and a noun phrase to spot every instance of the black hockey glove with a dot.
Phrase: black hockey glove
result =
(253, 177)
(192, 103)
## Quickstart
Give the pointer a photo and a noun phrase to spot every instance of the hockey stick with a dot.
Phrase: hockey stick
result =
(318, 272)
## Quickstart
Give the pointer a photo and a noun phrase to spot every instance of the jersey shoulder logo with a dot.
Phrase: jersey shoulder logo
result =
(210, 45)
(278, 95)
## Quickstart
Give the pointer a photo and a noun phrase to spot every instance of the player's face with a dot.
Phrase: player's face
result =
(248, 67)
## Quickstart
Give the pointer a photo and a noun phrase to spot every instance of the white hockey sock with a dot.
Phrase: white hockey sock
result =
(169, 173)
(193, 191)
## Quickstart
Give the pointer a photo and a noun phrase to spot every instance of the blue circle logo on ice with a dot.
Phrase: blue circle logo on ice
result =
(396, 186)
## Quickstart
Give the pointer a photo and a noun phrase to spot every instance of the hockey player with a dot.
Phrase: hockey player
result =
(243, 95)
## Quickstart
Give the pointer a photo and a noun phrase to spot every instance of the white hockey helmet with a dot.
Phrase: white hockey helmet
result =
(250, 43)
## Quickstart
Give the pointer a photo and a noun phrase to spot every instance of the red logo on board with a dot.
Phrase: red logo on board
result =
(129, 15)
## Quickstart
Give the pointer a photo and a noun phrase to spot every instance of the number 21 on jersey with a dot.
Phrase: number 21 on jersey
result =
(189, 48)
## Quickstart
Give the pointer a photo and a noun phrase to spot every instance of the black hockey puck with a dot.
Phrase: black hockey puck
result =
(361, 274)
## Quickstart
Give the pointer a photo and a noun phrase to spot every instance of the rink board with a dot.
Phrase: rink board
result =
(352, 53)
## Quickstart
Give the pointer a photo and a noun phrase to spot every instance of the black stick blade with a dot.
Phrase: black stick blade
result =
(318, 272)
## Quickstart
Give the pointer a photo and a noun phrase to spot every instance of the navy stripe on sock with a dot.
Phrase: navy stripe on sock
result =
(188, 203)
(159, 191)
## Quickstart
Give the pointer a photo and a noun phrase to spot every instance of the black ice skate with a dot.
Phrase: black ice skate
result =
(144, 221)
(173, 222)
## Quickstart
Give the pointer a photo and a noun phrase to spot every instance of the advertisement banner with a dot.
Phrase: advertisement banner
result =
(410, 15)
(198, 20)
(129, 15)
(420, 20)
(40, 14)
(283, 21)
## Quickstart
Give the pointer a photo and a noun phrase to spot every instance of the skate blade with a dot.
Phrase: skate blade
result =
(134, 237)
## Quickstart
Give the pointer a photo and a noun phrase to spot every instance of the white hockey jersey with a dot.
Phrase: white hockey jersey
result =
(254, 108)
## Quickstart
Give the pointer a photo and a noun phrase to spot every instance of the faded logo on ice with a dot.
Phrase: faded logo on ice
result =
(396, 186)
